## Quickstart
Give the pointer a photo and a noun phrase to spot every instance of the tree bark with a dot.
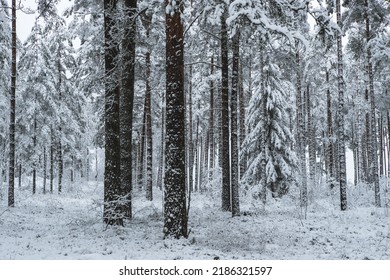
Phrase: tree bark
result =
(374, 144)
(330, 148)
(211, 122)
(341, 136)
(175, 211)
(225, 164)
(234, 126)
(149, 136)
(112, 175)
(11, 172)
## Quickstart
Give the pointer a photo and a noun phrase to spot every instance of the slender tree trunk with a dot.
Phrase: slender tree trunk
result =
(234, 127)
(211, 122)
(367, 143)
(194, 185)
(381, 150)
(20, 176)
(59, 149)
(44, 170)
(11, 172)
(34, 179)
(141, 159)
(200, 163)
(225, 157)
(72, 169)
(60, 165)
(330, 147)
(242, 121)
(112, 175)
(311, 138)
(161, 160)
(263, 140)
(175, 211)
(301, 134)
(189, 138)
(341, 146)
(374, 144)
(149, 136)
(52, 161)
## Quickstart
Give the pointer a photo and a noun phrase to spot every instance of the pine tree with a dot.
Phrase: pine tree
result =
(234, 127)
(341, 136)
(225, 143)
(5, 77)
(11, 187)
(112, 186)
(175, 212)
(126, 105)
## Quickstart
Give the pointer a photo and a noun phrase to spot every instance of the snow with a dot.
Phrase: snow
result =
(69, 226)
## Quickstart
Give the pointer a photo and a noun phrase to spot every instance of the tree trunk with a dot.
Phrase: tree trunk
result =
(211, 122)
(11, 172)
(44, 170)
(311, 138)
(161, 160)
(34, 175)
(301, 134)
(112, 179)
(175, 212)
(52, 161)
(20, 176)
(190, 143)
(341, 146)
(381, 148)
(374, 144)
(225, 157)
(242, 160)
(149, 136)
(141, 154)
(330, 148)
(234, 127)
(126, 108)
(263, 140)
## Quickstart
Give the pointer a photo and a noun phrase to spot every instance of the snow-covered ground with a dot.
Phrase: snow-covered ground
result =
(69, 226)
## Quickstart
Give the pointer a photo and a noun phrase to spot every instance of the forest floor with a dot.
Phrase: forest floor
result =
(69, 226)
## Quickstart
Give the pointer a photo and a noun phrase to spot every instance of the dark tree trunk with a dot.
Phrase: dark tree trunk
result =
(52, 161)
(11, 172)
(381, 148)
(149, 136)
(225, 157)
(341, 136)
(234, 126)
(60, 165)
(175, 211)
(126, 107)
(263, 140)
(34, 179)
(20, 176)
(242, 121)
(112, 179)
(211, 122)
(72, 169)
(330, 148)
(44, 170)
